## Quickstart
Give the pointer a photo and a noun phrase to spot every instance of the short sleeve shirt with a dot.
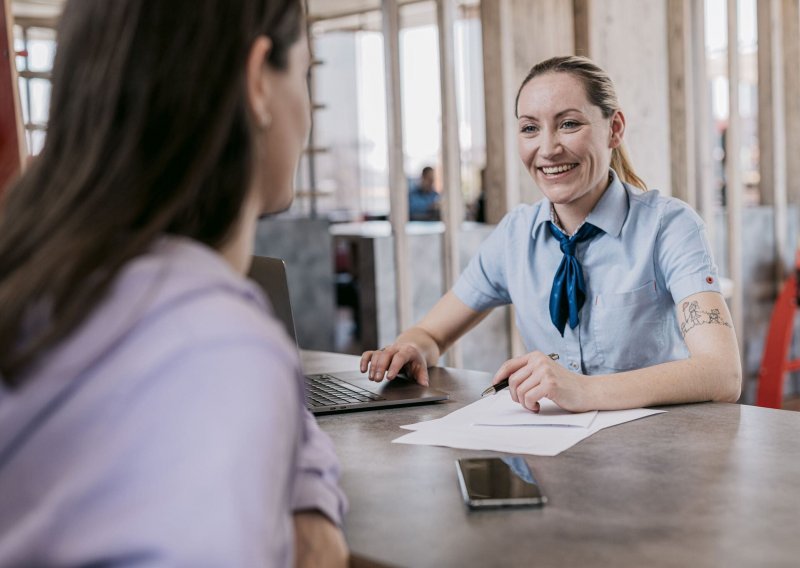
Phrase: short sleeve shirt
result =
(651, 254)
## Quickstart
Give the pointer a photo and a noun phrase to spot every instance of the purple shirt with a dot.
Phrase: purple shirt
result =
(169, 429)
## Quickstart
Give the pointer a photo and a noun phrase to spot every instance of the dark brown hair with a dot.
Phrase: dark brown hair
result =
(600, 92)
(149, 133)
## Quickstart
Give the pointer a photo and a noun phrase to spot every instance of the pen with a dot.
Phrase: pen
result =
(504, 383)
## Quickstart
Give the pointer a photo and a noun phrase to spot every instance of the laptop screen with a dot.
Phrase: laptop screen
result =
(270, 274)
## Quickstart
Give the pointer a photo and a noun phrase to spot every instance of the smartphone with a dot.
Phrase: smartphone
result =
(498, 482)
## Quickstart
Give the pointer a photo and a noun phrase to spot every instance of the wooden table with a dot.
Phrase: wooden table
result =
(707, 484)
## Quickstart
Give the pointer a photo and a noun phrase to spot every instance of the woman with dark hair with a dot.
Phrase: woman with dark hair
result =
(151, 408)
(616, 280)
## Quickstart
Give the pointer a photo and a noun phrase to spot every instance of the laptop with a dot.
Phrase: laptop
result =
(341, 391)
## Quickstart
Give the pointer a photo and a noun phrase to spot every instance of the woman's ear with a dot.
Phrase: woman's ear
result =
(258, 87)
(617, 129)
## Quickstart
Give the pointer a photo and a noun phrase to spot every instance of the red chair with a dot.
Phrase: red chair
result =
(776, 363)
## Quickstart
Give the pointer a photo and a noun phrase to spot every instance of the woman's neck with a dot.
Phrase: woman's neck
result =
(238, 250)
(572, 215)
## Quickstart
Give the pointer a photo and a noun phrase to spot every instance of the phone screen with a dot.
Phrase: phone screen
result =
(498, 482)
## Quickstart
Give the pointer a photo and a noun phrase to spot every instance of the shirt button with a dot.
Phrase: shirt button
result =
(573, 365)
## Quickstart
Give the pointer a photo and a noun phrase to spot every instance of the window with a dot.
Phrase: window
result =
(35, 44)
(344, 173)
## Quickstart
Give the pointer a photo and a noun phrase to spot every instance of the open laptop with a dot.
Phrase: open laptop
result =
(341, 391)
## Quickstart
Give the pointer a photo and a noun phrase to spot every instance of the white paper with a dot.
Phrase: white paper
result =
(457, 430)
(503, 411)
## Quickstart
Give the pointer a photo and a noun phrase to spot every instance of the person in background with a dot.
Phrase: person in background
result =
(423, 199)
(151, 407)
(616, 280)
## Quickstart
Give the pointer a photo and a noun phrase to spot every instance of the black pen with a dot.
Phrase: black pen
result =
(504, 383)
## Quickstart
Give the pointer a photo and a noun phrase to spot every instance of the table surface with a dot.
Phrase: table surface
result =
(708, 484)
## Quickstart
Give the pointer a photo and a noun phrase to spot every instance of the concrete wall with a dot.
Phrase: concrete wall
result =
(628, 38)
(305, 245)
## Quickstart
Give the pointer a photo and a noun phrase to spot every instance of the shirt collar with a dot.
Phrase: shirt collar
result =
(608, 214)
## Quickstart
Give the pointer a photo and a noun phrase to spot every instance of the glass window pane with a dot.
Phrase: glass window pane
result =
(37, 141)
(41, 49)
(40, 100)
(420, 90)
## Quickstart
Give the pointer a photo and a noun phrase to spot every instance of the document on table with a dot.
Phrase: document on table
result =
(498, 423)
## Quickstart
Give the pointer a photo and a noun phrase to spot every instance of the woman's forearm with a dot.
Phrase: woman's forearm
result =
(699, 378)
(424, 342)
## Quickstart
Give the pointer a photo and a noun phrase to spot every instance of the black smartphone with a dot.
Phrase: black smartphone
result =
(498, 482)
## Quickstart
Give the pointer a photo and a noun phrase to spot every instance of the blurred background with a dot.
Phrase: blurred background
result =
(710, 89)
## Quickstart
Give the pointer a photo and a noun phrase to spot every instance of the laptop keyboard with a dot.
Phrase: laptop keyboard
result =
(326, 390)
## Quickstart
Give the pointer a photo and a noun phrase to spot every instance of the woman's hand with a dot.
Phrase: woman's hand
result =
(535, 376)
(389, 361)
(424, 343)
(318, 542)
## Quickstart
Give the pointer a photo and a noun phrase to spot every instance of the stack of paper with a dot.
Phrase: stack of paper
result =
(500, 424)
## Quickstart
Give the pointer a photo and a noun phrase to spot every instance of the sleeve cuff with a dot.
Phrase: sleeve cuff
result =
(705, 281)
(316, 485)
(472, 297)
(312, 494)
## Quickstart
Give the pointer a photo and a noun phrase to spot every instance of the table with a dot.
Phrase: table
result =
(708, 484)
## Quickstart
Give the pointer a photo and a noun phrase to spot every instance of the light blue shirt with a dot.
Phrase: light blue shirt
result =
(652, 254)
(422, 204)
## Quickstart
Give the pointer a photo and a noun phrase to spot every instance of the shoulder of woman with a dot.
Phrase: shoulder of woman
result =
(669, 207)
(523, 213)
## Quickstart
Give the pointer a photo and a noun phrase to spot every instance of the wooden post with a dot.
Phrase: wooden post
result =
(704, 170)
(733, 181)
(453, 207)
(398, 190)
(681, 101)
(772, 124)
(12, 138)
(501, 182)
(581, 10)
(790, 21)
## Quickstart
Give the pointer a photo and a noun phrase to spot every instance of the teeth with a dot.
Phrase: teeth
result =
(557, 169)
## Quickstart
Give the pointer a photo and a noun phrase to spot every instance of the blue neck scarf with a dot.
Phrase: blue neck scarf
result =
(569, 290)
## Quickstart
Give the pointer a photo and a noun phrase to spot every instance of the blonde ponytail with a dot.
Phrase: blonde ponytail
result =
(621, 164)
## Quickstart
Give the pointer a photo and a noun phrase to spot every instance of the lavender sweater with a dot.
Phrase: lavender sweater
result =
(168, 430)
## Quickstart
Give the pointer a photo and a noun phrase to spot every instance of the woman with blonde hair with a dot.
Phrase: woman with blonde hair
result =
(616, 280)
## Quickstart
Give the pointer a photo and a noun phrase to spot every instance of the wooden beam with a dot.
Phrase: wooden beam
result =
(681, 102)
(581, 10)
(733, 181)
(501, 182)
(772, 124)
(12, 138)
(790, 33)
(703, 124)
(398, 186)
(453, 206)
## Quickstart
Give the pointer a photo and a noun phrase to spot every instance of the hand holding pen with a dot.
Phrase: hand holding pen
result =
(504, 383)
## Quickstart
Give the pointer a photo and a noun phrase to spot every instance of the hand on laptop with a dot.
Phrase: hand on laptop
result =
(391, 360)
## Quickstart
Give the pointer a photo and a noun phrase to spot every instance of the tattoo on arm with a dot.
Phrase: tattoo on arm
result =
(694, 316)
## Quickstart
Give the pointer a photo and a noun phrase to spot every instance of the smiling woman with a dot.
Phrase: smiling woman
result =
(601, 272)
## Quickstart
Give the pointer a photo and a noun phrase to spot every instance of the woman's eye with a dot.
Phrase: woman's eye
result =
(569, 124)
(529, 129)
